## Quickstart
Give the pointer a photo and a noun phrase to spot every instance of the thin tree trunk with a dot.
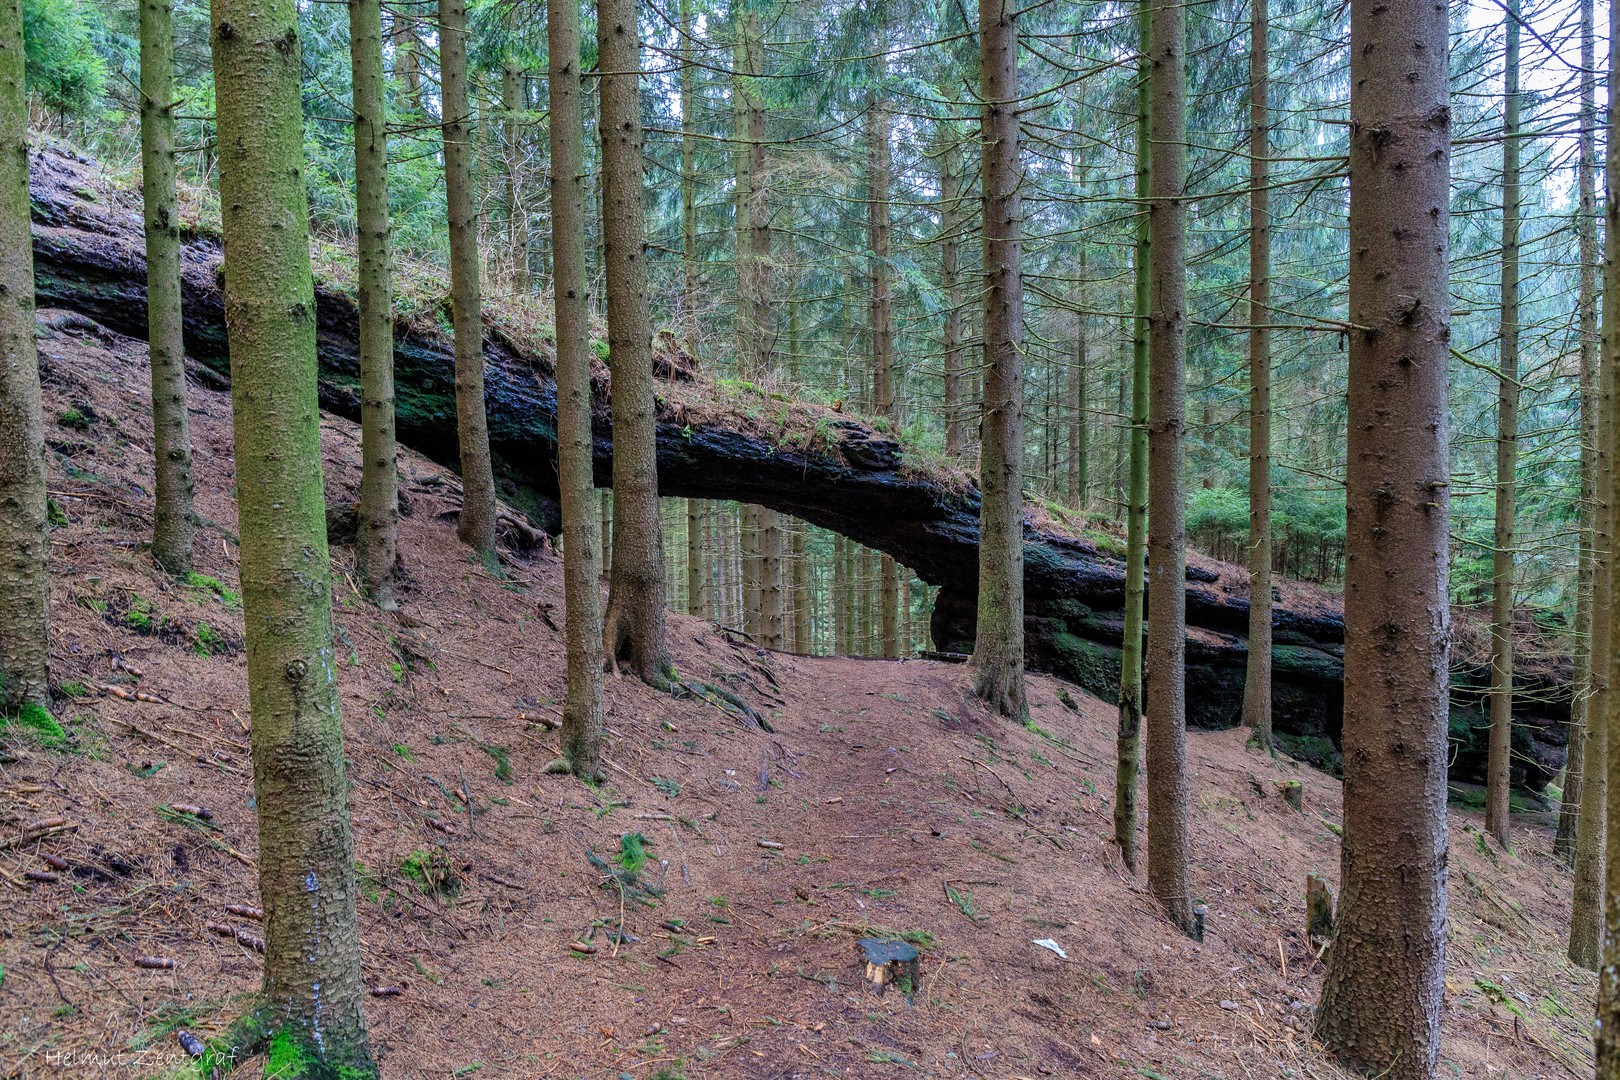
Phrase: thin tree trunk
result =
(514, 102)
(1129, 757)
(377, 542)
(634, 624)
(477, 525)
(1499, 763)
(1079, 428)
(312, 990)
(891, 606)
(407, 64)
(1380, 1007)
(24, 532)
(770, 580)
(877, 205)
(950, 256)
(1604, 667)
(998, 650)
(802, 638)
(605, 562)
(1166, 720)
(688, 175)
(581, 734)
(1586, 774)
(1257, 679)
(173, 522)
(840, 595)
(694, 557)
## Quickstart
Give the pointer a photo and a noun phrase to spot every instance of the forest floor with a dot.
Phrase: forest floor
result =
(892, 801)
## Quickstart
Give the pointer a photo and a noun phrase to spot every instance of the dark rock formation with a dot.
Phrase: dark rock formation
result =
(842, 476)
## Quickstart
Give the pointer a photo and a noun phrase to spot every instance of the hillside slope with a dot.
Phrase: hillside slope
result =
(898, 804)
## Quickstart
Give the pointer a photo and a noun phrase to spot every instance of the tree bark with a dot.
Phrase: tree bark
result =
(1581, 841)
(634, 623)
(1129, 757)
(24, 531)
(803, 640)
(377, 541)
(1257, 679)
(514, 102)
(689, 234)
(1079, 427)
(581, 733)
(694, 557)
(998, 651)
(173, 521)
(312, 991)
(476, 527)
(877, 204)
(1166, 719)
(1507, 453)
(1604, 563)
(891, 606)
(1380, 1009)
(950, 223)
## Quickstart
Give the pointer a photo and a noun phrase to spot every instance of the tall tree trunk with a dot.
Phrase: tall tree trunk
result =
(770, 579)
(1586, 776)
(877, 131)
(312, 990)
(1507, 454)
(377, 543)
(581, 735)
(1257, 679)
(1079, 429)
(477, 525)
(515, 102)
(891, 606)
(24, 532)
(1166, 719)
(1604, 563)
(802, 639)
(998, 651)
(634, 623)
(950, 223)
(840, 595)
(407, 63)
(1129, 757)
(173, 522)
(879, 169)
(1380, 1009)
(694, 557)
(688, 172)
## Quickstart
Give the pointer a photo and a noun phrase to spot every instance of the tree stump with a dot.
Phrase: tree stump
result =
(1318, 913)
(1293, 793)
(890, 961)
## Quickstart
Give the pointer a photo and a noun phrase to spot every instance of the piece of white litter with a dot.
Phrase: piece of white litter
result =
(1048, 943)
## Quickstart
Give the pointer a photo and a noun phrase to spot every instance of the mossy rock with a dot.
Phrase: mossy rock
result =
(1092, 666)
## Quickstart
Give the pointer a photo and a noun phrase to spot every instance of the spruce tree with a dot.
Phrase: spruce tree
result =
(376, 543)
(173, 520)
(582, 533)
(309, 1010)
(634, 623)
(1380, 1010)
(998, 649)
(476, 527)
(24, 532)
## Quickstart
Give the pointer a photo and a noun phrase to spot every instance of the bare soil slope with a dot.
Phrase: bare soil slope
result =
(885, 801)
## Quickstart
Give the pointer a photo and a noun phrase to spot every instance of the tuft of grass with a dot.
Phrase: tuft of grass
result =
(503, 764)
(633, 852)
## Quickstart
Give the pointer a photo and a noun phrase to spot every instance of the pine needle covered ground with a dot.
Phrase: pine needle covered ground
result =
(697, 914)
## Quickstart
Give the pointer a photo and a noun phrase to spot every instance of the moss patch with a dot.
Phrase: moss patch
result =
(37, 720)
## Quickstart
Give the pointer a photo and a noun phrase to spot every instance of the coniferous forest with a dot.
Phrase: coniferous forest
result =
(759, 539)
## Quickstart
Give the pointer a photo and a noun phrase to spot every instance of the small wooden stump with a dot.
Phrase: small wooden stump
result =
(1318, 913)
(1293, 793)
(890, 961)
